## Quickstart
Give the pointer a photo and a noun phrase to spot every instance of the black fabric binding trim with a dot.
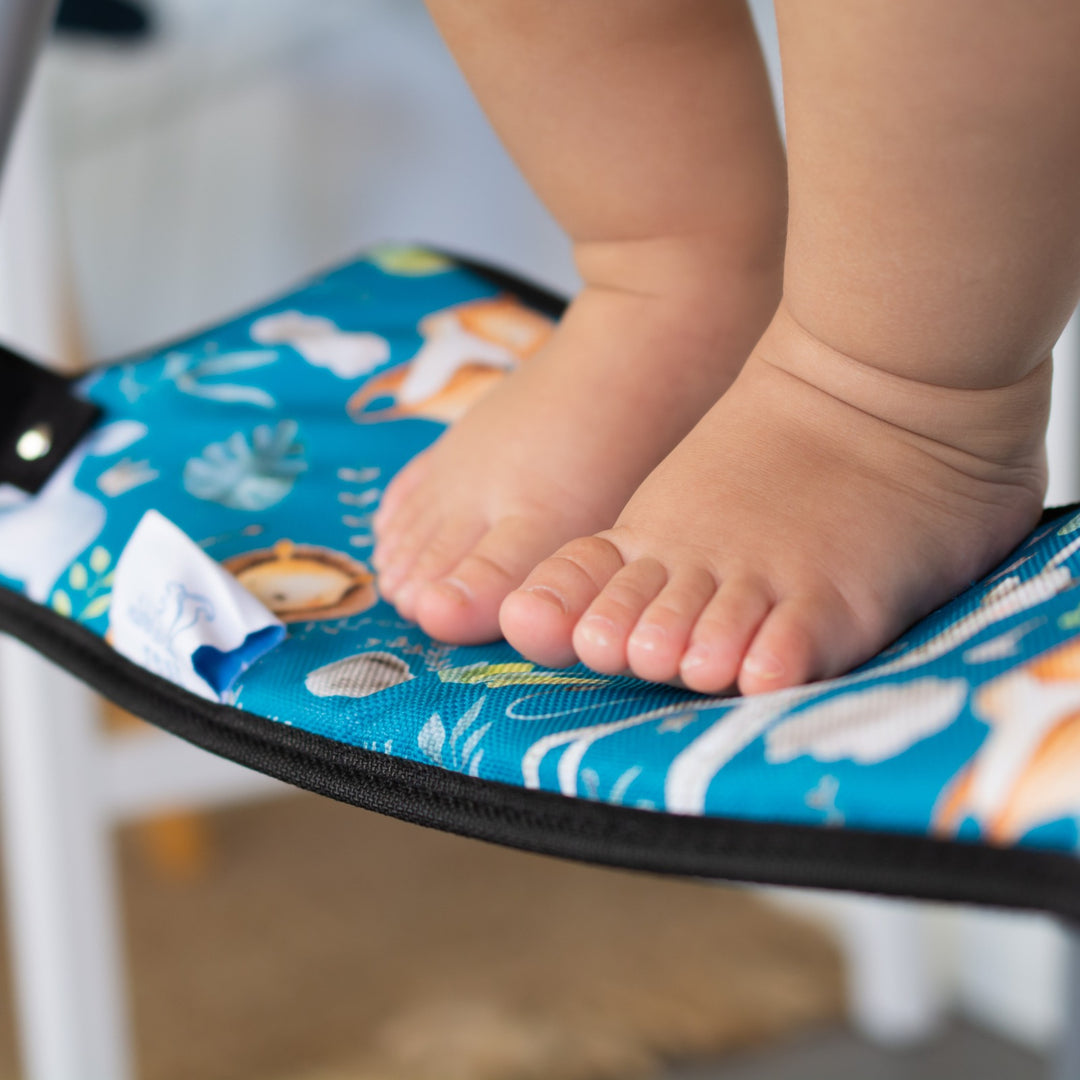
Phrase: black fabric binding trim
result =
(891, 864)
(538, 821)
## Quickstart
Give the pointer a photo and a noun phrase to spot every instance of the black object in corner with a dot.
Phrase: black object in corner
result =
(41, 420)
(115, 20)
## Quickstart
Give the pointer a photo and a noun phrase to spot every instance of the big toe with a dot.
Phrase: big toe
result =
(399, 491)
(444, 548)
(538, 619)
(463, 606)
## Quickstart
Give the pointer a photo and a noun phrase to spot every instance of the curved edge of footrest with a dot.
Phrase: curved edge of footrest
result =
(890, 864)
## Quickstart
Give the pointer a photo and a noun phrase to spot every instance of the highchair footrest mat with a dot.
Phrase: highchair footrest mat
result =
(200, 557)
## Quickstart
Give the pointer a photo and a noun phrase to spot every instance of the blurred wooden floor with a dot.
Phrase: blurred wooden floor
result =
(326, 943)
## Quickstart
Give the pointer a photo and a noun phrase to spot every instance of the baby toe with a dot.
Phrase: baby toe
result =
(722, 634)
(803, 638)
(600, 637)
(657, 643)
(396, 565)
(445, 548)
(398, 491)
(538, 619)
(399, 533)
(463, 605)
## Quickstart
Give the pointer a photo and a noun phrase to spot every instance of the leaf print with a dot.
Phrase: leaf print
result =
(125, 476)
(620, 787)
(409, 261)
(358, 476)
(471, 741)
(466, 721)
(187, 370)
(518, 673)
(89, 590)
(248, 473)
(590, 780)
(231, 393)
(96, 608)
(238, 361)
(1070, 526)
(433, 742)
(431, 739)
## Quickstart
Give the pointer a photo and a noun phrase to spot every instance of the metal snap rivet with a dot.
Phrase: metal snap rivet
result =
(35, 443)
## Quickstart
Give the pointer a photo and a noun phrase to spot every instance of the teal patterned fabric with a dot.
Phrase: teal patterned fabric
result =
(269, 439)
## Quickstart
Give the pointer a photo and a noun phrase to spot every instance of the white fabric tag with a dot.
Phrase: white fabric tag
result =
(177, 613)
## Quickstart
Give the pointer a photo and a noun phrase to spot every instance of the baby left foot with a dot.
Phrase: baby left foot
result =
(819, 508)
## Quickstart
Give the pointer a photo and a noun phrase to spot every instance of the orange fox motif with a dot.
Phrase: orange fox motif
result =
(467, 349)
(1027, 773)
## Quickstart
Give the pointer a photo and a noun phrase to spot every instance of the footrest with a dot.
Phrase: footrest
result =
(948, 767)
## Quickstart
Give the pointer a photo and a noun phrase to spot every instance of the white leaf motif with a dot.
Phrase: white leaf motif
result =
(468, 718)
(471, 741)
(431, 739)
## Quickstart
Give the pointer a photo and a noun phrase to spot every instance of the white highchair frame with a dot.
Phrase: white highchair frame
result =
(64, 785)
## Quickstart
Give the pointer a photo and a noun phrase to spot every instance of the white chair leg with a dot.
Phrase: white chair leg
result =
(23, 26)
(895, 994)
(62, 907)
(900, 973)
(1066, 1063)
(1063, 433)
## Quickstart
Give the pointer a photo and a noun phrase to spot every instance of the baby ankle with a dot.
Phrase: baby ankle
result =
(1004, 425)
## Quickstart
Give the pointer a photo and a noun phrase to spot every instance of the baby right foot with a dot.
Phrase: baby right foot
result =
(821, 507)
(557, 448)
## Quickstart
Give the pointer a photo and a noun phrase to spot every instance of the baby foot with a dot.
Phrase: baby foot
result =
(558, 446)
(815, 512)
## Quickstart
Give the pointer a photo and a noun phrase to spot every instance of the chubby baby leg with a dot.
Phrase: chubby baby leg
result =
(883, 446)
(648, 129)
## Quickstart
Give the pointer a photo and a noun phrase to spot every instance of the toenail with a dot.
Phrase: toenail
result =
(455, 589)
(406, 594)
(763, 667)
(697, 656)
(550, 595)
(597, 629)
(650, 637)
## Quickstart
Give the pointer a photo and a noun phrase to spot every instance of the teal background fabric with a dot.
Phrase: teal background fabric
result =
(269, 439)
